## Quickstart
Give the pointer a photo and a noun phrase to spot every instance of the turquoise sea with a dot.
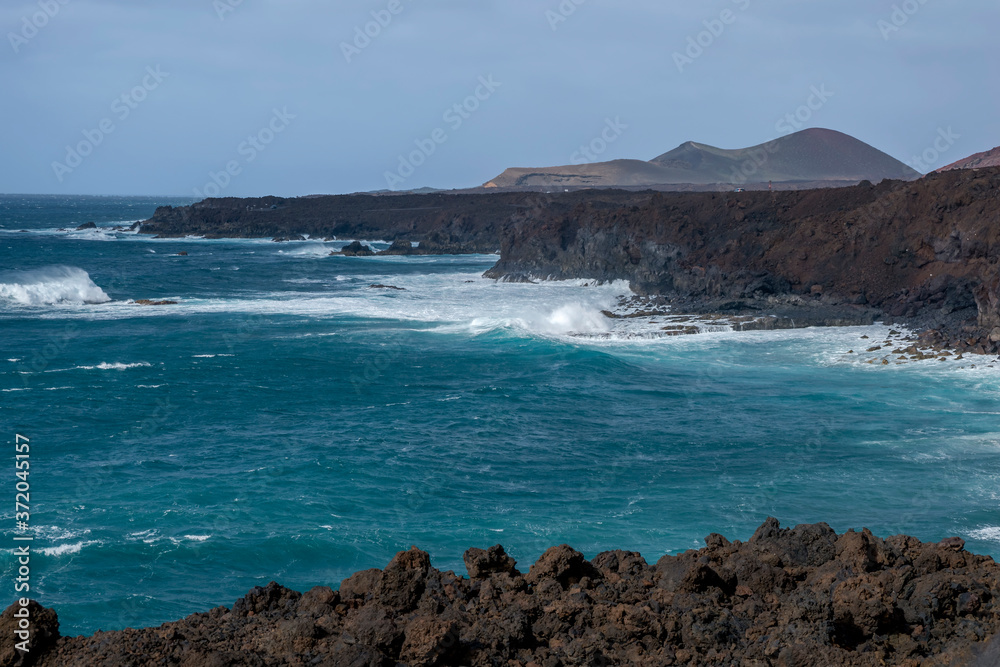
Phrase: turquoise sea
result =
(286, 421)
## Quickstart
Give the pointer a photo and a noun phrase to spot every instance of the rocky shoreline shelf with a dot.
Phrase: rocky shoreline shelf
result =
(799, 597)
(658, 318)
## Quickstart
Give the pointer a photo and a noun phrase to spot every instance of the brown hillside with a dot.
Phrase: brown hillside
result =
(978, 161)
(809, 155)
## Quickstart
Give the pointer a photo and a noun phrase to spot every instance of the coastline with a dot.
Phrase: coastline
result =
(912, 342)
(916, 254)
(800, 596)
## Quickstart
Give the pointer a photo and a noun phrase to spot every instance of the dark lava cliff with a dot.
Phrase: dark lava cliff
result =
(802, 597)
(926, 251)
(446, 223)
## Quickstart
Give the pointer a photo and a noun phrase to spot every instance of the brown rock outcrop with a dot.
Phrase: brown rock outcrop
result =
(355, 249)
(787, 597)
(151, 302)
(924, 252)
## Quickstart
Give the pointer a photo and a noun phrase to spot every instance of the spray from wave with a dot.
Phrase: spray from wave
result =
(572, 319)
(309, 249)
(50, 285)
(576, 318)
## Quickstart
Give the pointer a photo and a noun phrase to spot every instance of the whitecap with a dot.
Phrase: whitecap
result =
(190, 538)
(64, 549)
(113, 366)
(50, 285)
(149, 536)
(57, 533)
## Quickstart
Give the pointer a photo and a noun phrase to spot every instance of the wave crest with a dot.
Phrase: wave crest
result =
(50, 285)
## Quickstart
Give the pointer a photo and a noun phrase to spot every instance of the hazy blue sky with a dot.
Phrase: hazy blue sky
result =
(201, 77)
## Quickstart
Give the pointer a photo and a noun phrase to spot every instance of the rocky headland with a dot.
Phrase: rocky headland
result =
(439, 223)
(922, 253)
(796, 597)
(918, 253)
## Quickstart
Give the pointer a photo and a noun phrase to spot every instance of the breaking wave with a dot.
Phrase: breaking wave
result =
(114, 366)
(50, 285)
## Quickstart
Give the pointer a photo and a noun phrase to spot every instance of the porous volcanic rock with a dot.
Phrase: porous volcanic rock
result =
(355, 249)
(400, 247)
(798, 597)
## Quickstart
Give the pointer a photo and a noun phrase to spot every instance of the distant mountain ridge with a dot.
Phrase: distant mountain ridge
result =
(989, 158)
(809, 155)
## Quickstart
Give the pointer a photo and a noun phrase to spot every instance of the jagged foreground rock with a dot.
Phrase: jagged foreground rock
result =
(795, 597)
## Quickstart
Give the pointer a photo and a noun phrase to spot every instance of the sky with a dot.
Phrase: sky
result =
(297, 97)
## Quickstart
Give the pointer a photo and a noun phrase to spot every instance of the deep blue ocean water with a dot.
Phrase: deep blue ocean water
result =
(285, 421)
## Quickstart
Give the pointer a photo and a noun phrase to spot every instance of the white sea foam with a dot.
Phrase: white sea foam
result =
(987, 533)
(190, 538)
(153, 536)
(466, 303)
(149, 536)
(64, 549)
(15, 389)
(95, 234)
(50, 285)
(307, 249)
(57, 533)
(105, 231)
(113, 366)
